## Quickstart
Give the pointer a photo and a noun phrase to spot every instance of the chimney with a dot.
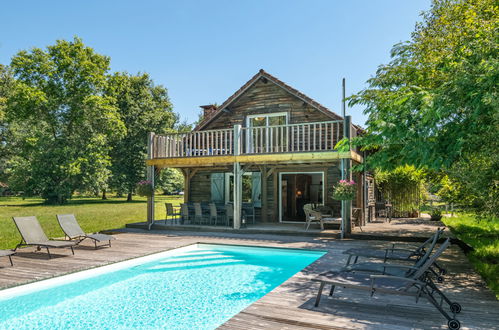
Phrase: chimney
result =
(208, 110)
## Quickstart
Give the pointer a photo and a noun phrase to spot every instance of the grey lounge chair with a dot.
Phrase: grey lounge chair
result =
(33, 235)
(416, 283)
(394, 253)
(395, 269)
(73, 231)
(8, 253)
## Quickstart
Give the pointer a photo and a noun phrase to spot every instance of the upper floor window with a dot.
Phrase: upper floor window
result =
(263, 136)
(270, 119)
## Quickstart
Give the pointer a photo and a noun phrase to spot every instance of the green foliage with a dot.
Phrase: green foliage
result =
(170, 181)
(60, 121)
(344, 190)
(145, 188)
(143, 107)
(482, 236)
(6, 86)
(403, 187)
(435, 105)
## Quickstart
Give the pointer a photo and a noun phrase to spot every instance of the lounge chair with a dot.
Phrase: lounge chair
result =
(394, 253)
(33, 235)
(8, 253)
(416, 283)
(395, 269)
(73, 231)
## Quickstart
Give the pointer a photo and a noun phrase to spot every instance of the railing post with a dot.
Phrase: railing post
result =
(237, 140)
(150, 177)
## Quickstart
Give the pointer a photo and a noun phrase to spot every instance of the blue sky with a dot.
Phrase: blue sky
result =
(203, 51)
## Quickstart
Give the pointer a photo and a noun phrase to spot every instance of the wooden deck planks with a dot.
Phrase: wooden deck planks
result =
(289, 306)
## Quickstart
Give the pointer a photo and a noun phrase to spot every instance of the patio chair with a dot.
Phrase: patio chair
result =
(184, 213)
(312, 216)
(198, 214)
(248, 210)
(33, 235)
(394, 269)
(393, 253)
(73, 231)
(229, 214)
(213, 213)
(415, 283)
(171, 212)
(8, 253)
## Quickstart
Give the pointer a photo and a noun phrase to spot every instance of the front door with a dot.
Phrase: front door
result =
(298, 189)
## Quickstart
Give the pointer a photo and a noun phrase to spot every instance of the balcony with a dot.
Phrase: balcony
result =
(291, 142)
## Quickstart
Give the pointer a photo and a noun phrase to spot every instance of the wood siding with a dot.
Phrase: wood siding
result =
(264, 98)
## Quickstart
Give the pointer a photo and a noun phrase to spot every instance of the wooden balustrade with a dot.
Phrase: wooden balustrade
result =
(306, 137)
(319, 136)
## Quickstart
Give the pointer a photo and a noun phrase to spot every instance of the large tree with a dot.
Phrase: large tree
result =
(435, 105)
(6, 84)
(61, 120)
(143, 107)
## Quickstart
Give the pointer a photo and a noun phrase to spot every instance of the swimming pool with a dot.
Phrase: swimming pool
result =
(195, 287)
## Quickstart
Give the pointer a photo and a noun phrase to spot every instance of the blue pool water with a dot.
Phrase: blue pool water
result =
(198, 287)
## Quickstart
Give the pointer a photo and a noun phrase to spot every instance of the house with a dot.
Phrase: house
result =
(267, 144)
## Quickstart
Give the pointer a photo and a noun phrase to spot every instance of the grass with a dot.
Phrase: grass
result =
(92, 213)
(483, 237)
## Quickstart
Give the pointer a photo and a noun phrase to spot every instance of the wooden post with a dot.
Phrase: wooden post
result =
(187, 184)
(263, 186)
(346, 206)
(238, 191)
(150, 177)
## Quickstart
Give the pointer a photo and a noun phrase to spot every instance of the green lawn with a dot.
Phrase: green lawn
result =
(483, 236)
(92, 213)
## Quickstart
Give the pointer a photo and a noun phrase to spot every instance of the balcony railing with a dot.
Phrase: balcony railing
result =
(305, 137)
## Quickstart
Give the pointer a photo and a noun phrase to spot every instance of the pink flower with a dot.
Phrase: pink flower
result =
(343, 181)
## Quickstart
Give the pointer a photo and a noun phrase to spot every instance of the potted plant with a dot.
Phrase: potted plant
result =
(436, 214)
(144, 188)
(344, 190)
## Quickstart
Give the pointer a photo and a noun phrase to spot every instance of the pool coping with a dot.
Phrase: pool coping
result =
(70, 277)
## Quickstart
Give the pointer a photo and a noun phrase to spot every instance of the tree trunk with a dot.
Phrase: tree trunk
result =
(104, 197)
(129, 197)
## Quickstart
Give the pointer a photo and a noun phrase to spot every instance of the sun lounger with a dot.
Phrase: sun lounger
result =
(8, 253)
(396, 269)
(73, 231)
(393, 253)
(416, 283)
(33, 235)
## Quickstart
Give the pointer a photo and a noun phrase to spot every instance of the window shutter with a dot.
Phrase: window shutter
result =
(256, 184)
(217, 187)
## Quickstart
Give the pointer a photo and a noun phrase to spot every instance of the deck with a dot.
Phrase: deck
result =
(290, 306)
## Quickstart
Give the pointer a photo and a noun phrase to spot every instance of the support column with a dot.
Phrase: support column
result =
(346, 164)
(238, 193)
(150, 177)
(264, 198)
(238, 189)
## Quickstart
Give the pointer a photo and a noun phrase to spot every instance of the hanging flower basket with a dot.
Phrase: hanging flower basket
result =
(344, 190)
(144, 188)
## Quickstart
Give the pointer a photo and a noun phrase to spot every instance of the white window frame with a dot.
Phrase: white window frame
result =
(249, 143)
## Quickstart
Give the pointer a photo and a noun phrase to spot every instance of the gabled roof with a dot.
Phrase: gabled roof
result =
(271, 78)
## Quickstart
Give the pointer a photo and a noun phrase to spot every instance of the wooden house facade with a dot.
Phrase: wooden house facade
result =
(267, 144)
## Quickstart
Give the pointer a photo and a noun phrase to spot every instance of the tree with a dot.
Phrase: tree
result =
(170, 181)
(6, 83)
(60, 120)
(143, 107)
(435, 105)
